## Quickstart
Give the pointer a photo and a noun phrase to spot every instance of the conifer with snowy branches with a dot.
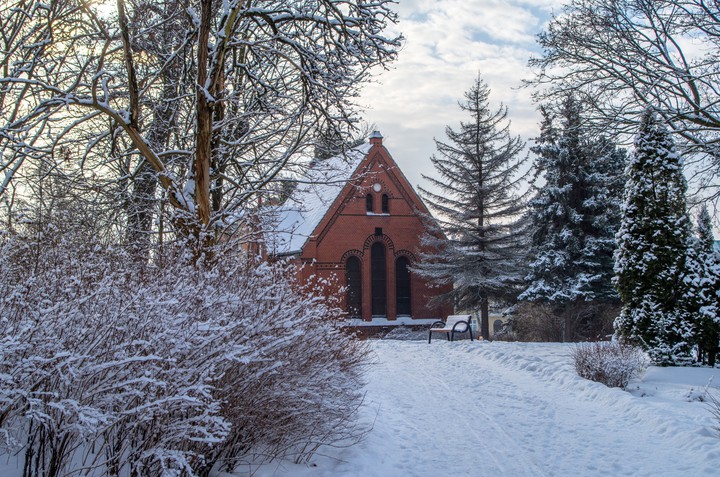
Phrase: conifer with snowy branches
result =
(702, 287)
(653, 247)
(575, 213)
(574, 216)
(705, 229)
(480, 238)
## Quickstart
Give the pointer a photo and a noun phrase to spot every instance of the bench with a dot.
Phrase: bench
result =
(453, 324)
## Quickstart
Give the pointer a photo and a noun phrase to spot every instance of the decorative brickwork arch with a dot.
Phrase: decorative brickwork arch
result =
(349, 253)
(379, 238)
(406, 253)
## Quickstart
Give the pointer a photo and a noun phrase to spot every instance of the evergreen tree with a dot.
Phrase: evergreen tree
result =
(705, 230)
(653, 248)
(575, 213)
(702, 287)
(478, 237)
(602, 208)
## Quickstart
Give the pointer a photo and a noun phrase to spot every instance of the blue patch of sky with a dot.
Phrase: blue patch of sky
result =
(415, 16)
(542, 16)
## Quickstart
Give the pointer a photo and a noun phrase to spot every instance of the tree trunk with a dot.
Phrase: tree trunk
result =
(203, 140)
(218, 163)
(484, 317)
(143, 203)
(712, 349)
(140, 211)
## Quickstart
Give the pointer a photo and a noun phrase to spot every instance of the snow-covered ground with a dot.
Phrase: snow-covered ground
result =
(519, 409)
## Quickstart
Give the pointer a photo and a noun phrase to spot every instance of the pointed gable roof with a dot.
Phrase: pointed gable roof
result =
(297, 218)
(329, 183)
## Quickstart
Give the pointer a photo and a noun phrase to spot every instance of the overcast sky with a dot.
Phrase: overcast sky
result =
(448, 42)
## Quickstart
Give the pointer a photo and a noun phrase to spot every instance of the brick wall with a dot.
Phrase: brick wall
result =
(349, 229)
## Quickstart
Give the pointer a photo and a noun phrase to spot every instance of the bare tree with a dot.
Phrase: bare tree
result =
(623, 56)
(210, 99)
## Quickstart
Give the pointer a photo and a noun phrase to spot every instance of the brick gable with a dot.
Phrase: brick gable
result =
(384, 240)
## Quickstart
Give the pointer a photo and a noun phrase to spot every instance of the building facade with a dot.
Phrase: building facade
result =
(358, 236)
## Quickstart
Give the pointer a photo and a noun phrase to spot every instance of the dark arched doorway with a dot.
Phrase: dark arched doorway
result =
(378, 282)
(353, 282)
(402, 285)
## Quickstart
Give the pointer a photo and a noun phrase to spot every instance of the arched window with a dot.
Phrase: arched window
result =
(369, 202)
(378, 285)
(402, 285)
(385, 204)
(353, 282)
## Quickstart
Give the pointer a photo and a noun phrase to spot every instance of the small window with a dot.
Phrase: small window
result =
(385, 204)
(369, 202)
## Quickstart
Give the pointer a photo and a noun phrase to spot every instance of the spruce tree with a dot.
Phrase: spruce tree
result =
(574, 214)
(479, 239)
(702, 287)
(705, 230)
(602, 208)
(653, 248)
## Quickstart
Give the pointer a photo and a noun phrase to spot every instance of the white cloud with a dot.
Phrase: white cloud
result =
(448, 42)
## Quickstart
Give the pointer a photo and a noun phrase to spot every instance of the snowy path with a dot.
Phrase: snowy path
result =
(431, 415)
(511, 409)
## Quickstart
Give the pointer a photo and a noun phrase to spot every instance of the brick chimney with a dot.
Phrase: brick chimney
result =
(376, 138)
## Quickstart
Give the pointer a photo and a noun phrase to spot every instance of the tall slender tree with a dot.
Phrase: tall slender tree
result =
(653, 248)
(702, 290)
(705, 230)
(478, 207)
(575, 215)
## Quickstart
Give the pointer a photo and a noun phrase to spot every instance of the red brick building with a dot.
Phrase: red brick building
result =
(356, 225)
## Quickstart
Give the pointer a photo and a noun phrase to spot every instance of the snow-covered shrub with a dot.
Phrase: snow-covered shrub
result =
(126, 370)
(610, 363)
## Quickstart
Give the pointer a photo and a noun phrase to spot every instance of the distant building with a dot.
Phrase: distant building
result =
(355, 227)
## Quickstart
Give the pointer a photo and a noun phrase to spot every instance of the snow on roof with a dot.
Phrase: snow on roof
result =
(298, 217)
